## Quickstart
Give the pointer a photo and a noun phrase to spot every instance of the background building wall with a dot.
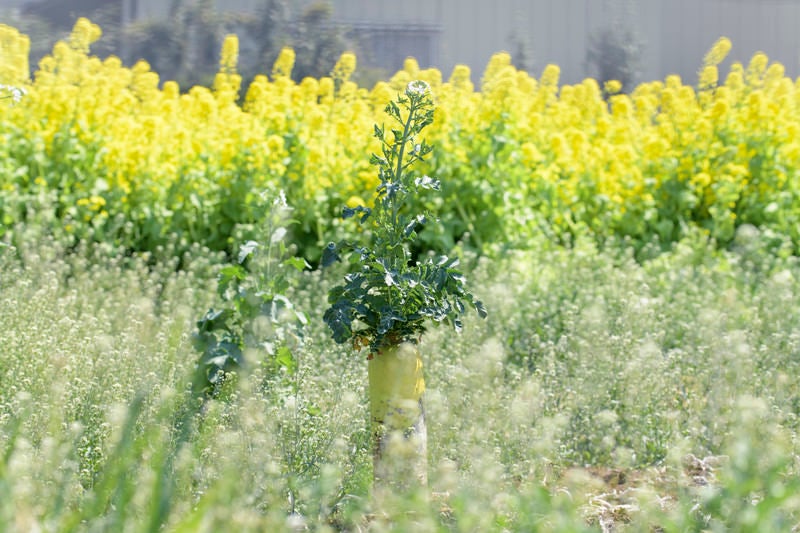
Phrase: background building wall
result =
(675, 34)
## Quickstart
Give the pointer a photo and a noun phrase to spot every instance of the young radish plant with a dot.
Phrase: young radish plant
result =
(388, 299)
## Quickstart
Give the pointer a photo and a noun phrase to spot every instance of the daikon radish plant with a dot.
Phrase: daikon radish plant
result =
(388, 298)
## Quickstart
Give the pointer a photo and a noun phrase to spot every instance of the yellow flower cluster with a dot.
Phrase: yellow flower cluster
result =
(641, 164)
(14, 49)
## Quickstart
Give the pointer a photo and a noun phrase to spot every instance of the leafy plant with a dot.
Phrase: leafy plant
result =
(388, 297)
(255, 314)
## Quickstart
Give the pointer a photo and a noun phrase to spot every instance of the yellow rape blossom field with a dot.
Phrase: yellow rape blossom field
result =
(97, 149)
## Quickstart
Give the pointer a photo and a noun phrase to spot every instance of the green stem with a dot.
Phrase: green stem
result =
(399, 171)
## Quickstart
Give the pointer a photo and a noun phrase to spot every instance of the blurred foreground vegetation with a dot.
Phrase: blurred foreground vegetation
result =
(601, 392)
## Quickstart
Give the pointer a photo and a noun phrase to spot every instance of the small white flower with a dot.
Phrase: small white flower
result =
(280, 201)
(417, 88)
(15, 93)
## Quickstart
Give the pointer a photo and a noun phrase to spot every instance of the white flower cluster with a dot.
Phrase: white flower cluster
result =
(417, 87)
(15, 93)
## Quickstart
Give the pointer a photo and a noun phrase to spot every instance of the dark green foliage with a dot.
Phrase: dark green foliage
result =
(388, 297)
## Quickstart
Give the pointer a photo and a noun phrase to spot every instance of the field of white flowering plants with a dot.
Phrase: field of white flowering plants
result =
(599, 393)
(181, 354)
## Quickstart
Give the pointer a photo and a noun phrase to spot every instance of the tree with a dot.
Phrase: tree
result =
(615, 54)
(317, 42)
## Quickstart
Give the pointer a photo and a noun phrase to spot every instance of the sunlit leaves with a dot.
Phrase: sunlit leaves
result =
(426, 182)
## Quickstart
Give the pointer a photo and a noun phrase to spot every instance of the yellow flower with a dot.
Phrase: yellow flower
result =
(275, 143)
(380, 94)
(613, 86)
(345, 67)
(354, 201)
(550, 76)
(309, 88)
(326, 87)
(718, 52)
(497, 64)
(284, 64)
(701, 180)
(621, 106)
(655, 147)
(673, 81)
(229, 56)
(14, 50)
(400, 80)
(460, 78)
(530, 154)
(735, 79)
(559, 147)
(84, 33)
(709, 76)
(720, 109)
(411, 67)
(757, 68)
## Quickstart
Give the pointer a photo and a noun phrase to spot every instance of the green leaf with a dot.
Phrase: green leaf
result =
(348, 212)
(330, 255)
(479, 307)
(411, 226)
(339, 318)
(214, 320)
(446, 262)
(227, 275)
(298, 263)
(285, 359)
(393, 110)
(426, 182)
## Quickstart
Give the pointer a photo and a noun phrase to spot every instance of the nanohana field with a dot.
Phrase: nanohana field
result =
(112, 152)
(565, 308)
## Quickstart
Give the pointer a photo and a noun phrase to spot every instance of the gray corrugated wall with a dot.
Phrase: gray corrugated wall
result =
(676, 33)
(690, 27)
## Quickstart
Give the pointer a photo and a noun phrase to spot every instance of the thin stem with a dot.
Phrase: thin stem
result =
(399, 172)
